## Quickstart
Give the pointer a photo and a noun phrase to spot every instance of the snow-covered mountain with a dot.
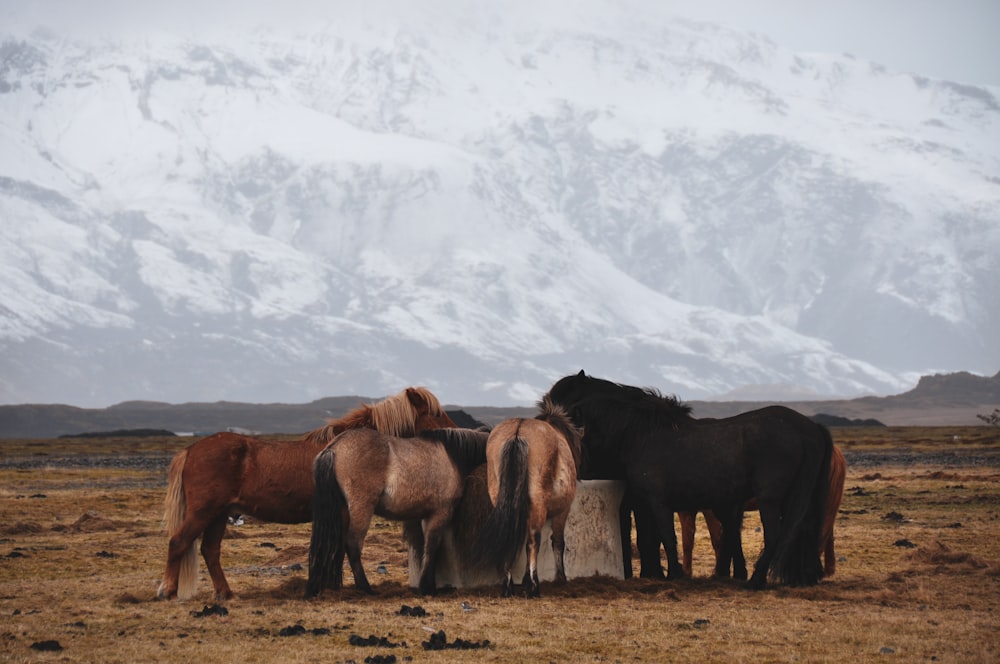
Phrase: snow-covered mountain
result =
(281, 214)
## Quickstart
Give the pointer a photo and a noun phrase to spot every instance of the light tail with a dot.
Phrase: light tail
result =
(175, 511)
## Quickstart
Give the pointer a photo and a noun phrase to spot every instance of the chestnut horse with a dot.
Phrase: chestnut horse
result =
(838, 471)
(270, 480)
(363, 473)
(531, 470)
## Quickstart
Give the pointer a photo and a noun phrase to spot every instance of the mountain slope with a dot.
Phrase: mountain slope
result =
(275, 216)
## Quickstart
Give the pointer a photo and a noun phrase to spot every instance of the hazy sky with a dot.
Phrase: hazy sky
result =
(953, 39)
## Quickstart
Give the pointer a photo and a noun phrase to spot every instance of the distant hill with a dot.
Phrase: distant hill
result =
(943, 399)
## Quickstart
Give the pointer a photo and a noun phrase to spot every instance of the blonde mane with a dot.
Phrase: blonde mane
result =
(394, 416)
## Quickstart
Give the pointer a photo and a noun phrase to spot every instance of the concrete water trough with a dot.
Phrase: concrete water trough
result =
(593, 538)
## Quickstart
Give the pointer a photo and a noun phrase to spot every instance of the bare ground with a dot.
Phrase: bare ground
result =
(82, 549)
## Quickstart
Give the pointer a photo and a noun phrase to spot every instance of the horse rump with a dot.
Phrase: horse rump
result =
(326, 546)
(797, 560)
(506, 528)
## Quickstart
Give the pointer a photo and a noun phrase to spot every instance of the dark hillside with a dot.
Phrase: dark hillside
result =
(944, 399)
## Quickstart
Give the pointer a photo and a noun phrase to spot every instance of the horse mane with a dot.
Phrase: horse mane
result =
(393, 415)
(560, 420)
(648, 405)
(465, 447)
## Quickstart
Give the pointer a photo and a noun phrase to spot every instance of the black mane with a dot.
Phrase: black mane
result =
(465, 447)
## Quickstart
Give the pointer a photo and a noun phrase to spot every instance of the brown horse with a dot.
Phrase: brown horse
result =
(271, 480)
(838, 471)
(363, 473)
(531, 477)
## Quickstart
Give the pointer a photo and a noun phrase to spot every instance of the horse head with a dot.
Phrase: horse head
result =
(427, 410)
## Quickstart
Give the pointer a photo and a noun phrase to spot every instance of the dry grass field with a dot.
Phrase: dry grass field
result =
(82, 550)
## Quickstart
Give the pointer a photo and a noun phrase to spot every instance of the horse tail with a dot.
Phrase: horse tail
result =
(797, 560)
(175, 511)
(505, 532)
(327, 543)
(838, 471)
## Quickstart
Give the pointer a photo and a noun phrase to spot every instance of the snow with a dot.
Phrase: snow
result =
(688, 205)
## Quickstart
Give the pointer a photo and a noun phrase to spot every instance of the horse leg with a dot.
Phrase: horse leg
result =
(829, 556)
(180, 552)
(180, 577)
(530, 581)
(770, 519)
(625, 528)
(648, 538)
(725, 528)
(663, 519)
(687, 540)
(715, 535)
(211, 550)
(433, 530)
(357, 529)
(559, 544)
(508, 584)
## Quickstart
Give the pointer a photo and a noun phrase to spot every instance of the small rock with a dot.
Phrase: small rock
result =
(46, 646)
(214, 610)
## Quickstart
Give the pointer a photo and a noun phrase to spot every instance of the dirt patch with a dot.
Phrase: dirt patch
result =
(23, 528)
(941, 555)
(91, 522)
(290, 555)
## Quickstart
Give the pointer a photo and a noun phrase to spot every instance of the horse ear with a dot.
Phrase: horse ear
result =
(416, 399)
(581, 374)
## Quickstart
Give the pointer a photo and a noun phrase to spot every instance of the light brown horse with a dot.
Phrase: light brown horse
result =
(363, 473)
(838, 471)
(532, 467)
(270, 480)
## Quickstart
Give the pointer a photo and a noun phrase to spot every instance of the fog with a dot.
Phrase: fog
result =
(955, 40)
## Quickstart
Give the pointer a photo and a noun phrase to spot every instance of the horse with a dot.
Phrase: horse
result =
(838, 472)
(531, 478)
(228, 473)
(671, 461)
(363, 473)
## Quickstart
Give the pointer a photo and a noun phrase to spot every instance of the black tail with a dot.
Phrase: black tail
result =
(326, 548)
(504, 534)
(797, 560)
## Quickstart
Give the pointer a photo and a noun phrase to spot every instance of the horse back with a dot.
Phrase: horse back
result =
(405, 478)
(550, 464)
(270, 480)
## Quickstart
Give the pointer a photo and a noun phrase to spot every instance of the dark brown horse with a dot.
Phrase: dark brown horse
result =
(531, 478)
(363, 473)
(838, 472)
(270, 480)
(672, 462)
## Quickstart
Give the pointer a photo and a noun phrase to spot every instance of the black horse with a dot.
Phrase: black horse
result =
(671, 461)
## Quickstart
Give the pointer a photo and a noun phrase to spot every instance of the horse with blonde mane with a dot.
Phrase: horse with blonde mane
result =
(271, 480)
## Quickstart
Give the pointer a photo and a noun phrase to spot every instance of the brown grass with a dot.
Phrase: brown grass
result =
(82, 550)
